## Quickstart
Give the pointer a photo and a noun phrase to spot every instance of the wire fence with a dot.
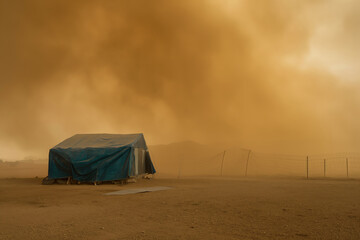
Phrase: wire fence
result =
(243, 162)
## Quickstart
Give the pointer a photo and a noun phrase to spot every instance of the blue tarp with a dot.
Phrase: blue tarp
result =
(97, 157)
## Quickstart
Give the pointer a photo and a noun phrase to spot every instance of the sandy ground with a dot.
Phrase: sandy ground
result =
(193, 209)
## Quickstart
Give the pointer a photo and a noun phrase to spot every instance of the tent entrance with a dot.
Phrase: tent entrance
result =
(139, 162)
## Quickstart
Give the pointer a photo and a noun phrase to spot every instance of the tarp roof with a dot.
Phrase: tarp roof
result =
(79, 141)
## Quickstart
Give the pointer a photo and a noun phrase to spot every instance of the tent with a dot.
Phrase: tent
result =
(100, 157)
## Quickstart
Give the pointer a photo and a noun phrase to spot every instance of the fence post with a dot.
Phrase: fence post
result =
(307, 167)
(247, 163)
(324, 167)
(347, 167)
(179, 170)
(222, 164)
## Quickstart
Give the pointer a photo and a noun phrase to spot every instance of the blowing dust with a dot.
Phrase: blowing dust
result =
(274, 76)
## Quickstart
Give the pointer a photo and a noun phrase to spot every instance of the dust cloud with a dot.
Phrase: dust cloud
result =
(276, 76)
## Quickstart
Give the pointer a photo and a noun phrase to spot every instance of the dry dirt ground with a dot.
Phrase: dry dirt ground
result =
(193, 209)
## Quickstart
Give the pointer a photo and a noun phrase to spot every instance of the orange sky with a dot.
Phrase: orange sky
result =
(278, 76)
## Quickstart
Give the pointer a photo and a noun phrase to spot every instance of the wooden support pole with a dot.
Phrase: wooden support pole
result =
(324, 167)
(247, 163)
(307, 167)
(222, 164)
(347, 167)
